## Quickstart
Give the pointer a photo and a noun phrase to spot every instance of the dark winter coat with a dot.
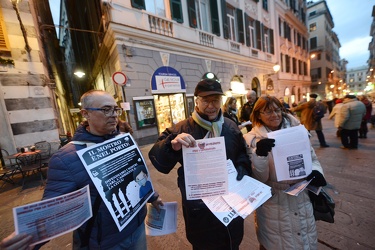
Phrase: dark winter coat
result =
(66, 174)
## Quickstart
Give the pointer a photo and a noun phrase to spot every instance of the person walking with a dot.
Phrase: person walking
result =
(307, 109)
(247, 108)
(284, 221)
(203, 230)
(67, 173)
(335, 113)
(363, 130)
(351, 115)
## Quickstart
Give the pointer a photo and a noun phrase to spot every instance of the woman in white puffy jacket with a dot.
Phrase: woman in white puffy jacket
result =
(284, 221)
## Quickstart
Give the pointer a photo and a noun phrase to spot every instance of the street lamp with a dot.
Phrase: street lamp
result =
(79, 74)
(269, 82)
(276, 69)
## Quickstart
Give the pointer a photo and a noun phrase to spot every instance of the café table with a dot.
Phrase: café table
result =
(28, 163)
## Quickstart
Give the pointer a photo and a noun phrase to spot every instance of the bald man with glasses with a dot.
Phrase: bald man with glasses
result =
(66, 174)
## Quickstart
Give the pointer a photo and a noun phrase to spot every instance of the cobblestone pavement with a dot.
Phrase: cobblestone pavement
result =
(351, 178)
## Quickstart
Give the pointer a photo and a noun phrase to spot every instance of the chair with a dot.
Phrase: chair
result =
(8, 162)
(9, 168)
(29, 164)
(45, 151)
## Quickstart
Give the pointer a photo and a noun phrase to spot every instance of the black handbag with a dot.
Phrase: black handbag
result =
(323, 205)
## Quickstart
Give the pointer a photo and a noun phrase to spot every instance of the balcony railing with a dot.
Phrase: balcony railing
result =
(160, 26)
(235, 47)
(206, 39)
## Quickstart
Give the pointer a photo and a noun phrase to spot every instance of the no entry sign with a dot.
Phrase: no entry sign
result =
(119, 78)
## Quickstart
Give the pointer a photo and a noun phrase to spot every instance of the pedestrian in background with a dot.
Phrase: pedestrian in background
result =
(66, 173)
(283, 221)
(247, 108)
(203, 230)
(285, 105)
(308, 121)
(363, 130)
(351, 115)
(230, 109)
(335, 113)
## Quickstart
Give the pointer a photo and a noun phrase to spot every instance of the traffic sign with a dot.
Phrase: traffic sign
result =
(119, 78)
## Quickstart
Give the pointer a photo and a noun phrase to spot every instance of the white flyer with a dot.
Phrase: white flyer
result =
(48, 219)
(243, 198)
(163, 222)
(205, 169)
(120, 175)
(292, 153)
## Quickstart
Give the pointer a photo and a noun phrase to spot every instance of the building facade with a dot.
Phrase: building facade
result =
(165, 48)
(327, 78)
(357, 80)
(150, 54)
(27, 102)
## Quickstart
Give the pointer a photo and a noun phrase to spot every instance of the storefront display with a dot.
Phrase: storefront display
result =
(170, 110)
(145, 111)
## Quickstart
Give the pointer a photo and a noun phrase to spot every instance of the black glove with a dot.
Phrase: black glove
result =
(264, 146)
(318, 179)
(241, 171)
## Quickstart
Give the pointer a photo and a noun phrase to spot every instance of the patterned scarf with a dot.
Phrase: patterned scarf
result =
(214, 128)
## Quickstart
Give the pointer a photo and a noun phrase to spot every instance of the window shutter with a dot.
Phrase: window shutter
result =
(192, 14)
(215, 23)
(263, 41)
(241, 38)
(139, 4)
(225, 20)
(247, 30)
(176, 11)
(272, 45)
(258, 35)
(4, 43)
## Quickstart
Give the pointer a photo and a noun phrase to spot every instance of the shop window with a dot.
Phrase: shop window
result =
(145, 113)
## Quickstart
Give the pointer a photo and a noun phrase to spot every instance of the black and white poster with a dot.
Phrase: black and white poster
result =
(292, 153)
(120, 175)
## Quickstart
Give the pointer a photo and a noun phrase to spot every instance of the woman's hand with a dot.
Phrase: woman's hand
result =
(183, 139)
(264, 146)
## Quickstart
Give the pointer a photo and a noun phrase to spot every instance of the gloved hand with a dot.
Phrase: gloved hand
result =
(241, 171)
(264, 146)
(318, 179)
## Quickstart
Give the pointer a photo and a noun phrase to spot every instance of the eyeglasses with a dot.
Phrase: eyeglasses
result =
(206, 102)
(108, 111)
(271, 111)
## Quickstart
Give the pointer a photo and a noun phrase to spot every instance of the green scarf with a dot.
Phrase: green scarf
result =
(214, 128)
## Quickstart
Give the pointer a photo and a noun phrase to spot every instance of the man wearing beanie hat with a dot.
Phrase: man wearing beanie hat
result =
(307, 110)
(203, 229)
(351, 115)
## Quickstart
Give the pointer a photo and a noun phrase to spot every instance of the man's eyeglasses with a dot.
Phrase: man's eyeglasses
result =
(270, 112)
(206, 102)
(108, 111)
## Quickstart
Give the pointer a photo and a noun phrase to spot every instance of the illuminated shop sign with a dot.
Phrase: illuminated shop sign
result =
(167, 80)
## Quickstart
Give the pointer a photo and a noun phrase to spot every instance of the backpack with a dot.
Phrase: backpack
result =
(318, 113)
